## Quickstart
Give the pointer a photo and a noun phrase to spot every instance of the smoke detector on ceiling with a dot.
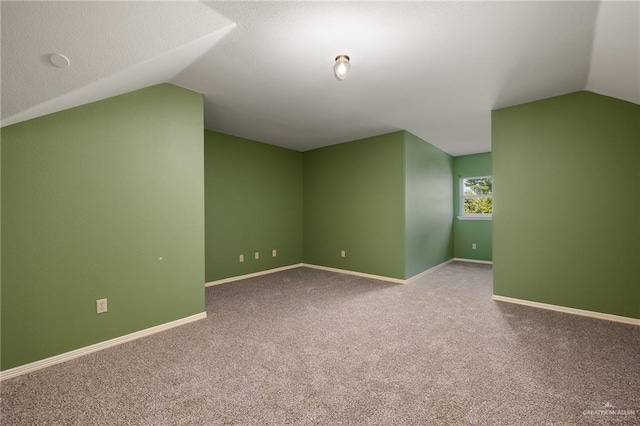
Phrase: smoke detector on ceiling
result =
(59, 60)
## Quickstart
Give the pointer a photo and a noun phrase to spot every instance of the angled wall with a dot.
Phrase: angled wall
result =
(428, 206)
(385, 200)
(253, 203)
(566, 222)
(105, 200)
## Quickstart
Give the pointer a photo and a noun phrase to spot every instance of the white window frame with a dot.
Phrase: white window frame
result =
(473, 216)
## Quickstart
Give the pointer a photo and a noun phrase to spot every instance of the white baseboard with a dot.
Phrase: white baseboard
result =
(357, 274)
(252, 275)
(462, 259)
(67, 356)
(328, 268)
(428, 271)
(379, 277)
(567, 310)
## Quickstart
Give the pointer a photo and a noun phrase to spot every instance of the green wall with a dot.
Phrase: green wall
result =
(253, 203)
(354, 201)
(468, 232)
(385, 200)
(105, 200)
(428, 205)
(566, 222)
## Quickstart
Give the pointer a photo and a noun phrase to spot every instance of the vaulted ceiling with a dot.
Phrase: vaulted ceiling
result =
(436, 69)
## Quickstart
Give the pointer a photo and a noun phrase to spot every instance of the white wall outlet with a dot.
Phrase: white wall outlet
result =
(274, 253)
(242, 258)
(473, 246)
(257, 255)
(343, 253)
(101, 306)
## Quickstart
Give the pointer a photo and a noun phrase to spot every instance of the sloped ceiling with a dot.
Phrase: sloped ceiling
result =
(114, 47)
(436, 69)
(615, 60)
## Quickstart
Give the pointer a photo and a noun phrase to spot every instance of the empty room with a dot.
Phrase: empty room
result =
(389, 213)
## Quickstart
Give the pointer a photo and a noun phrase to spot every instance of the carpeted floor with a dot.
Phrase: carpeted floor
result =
(313, 347)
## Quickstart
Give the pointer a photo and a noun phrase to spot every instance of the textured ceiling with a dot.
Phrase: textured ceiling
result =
(436, 69)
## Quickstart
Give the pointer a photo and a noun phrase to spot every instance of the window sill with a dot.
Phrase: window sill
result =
(475, 217)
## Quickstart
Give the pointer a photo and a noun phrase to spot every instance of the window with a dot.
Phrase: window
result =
(476, 197)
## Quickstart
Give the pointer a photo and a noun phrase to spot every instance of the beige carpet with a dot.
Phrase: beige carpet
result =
(312, 347)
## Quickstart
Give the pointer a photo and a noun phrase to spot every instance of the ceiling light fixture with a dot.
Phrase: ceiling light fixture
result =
(341, 67)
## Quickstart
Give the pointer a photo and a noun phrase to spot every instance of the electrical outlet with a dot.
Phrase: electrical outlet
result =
(473, 246)
(242, 258)
(343, 253)
(257, 255)
(274, 253)
(101, 306)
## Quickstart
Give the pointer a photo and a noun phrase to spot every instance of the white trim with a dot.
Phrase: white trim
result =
(358, 274)
(462, 259)
(567, 310)
(327, 268)
(379, 277)
(67, 356)
(252, 275)
(428, 271)
(475, 217)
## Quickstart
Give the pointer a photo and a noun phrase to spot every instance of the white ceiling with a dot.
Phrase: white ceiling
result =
(436, 69)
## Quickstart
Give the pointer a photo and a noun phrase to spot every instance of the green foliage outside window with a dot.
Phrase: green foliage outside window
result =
(477, 195)
(478, 206)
